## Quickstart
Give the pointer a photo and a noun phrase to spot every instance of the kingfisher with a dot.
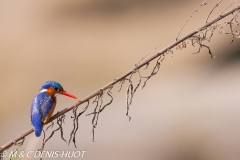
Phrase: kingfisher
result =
(44, 103)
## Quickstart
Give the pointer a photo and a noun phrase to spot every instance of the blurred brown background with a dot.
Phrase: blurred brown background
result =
(189, 110)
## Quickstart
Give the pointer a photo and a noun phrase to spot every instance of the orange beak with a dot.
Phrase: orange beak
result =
(67, 94)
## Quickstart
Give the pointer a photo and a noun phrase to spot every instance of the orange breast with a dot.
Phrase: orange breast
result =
(49, 115)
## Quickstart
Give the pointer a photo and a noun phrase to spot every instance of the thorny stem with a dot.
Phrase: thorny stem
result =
(13, 141)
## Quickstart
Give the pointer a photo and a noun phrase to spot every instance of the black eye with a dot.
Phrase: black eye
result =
(55, 88)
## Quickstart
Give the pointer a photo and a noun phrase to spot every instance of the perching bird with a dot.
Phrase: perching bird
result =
(44, 103)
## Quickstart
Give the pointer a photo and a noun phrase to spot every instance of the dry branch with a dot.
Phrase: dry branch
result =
(122, 78)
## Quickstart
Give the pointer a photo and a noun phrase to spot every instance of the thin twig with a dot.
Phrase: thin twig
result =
(237, 1)
(146, 55)
(213, 10)
(196, 10)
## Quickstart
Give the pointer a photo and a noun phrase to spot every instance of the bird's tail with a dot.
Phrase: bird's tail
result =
(37, 124)
(38, 131)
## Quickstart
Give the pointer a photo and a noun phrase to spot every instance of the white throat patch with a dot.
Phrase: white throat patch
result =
(43, 90)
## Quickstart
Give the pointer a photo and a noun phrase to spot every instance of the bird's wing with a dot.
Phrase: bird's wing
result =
(41, 105)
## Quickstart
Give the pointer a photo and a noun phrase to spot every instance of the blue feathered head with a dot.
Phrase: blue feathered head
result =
(53, 84)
